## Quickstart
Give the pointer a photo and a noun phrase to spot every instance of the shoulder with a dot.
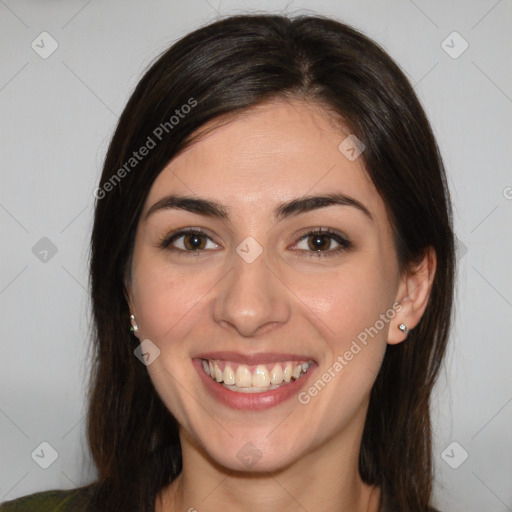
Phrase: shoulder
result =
(73, 500)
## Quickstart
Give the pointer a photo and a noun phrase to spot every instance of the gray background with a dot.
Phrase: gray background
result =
(57, 115)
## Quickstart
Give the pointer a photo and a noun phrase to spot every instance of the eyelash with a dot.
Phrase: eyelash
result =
(344, 243)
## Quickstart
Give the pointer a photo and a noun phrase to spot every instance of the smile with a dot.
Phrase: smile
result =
(242, 378)
(253, 382)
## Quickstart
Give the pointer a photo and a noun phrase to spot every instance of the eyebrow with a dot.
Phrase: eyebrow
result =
(211, 208)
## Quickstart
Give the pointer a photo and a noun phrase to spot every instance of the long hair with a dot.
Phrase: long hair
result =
(222, 69)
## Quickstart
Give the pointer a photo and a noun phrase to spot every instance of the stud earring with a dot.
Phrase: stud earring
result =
(134, 328)
(403, 328)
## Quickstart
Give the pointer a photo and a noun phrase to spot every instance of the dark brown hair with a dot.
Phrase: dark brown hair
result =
(228, 67)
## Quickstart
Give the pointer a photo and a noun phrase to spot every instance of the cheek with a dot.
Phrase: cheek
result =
(168, 302)
(352, 311)
(348, 301)
(348, 310)
(164, 296)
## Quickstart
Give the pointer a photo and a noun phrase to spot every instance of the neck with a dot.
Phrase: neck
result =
(326, 478)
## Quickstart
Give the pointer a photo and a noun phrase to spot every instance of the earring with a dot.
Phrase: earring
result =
(403, 328)
(134, 328)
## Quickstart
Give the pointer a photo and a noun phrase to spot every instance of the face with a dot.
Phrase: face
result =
(287, 302)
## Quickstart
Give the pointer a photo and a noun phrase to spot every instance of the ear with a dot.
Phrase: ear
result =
(413, 294)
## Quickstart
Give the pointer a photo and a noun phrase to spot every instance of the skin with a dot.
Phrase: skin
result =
(287, 300)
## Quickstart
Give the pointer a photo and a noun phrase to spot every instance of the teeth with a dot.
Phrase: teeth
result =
(239, 377)
(287, 373)
(218, 372)
(260, 378)
(276, 375)
(229, 376)
(250, 389)
(243, 378)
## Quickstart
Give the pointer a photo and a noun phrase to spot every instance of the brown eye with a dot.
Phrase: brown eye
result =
(319, 242)
(323, 243)
(188, 241)
(194, 241)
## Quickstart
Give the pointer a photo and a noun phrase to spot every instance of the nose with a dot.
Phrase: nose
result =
(251, 298)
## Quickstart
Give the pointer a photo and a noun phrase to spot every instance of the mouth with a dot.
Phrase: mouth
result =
(253, 382)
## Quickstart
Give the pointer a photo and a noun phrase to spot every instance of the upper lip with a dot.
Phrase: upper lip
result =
(252, 359)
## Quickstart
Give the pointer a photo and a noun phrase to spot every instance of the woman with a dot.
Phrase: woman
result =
(273, 225)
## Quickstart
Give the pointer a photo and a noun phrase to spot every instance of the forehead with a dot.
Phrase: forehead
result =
(271, 153)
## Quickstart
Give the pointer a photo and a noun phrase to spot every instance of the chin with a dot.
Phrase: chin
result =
(256, 451)
(251, 459)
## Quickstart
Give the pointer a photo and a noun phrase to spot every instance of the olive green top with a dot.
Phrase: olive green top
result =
(74, 500)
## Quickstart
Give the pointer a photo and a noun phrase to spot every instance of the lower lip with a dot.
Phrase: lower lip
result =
(252, 401)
